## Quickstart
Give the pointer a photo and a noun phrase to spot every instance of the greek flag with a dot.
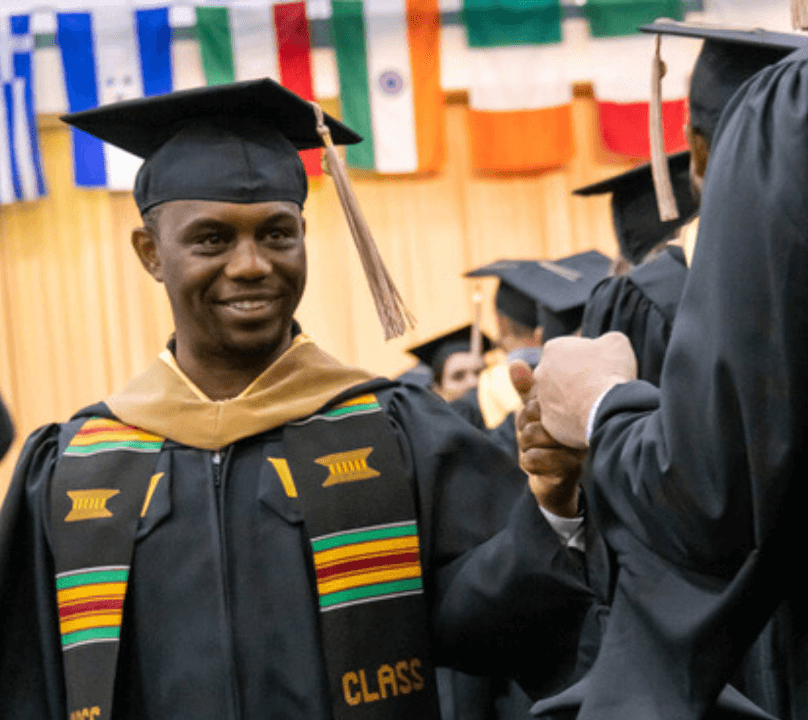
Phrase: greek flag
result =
(112, 54)
(20, 169)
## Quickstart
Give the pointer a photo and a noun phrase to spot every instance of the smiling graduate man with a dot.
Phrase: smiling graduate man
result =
(251, 529)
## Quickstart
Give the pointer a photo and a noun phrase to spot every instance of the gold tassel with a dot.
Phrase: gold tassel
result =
(799, 14)
(660, 172)
(393, 313)
(476, 329)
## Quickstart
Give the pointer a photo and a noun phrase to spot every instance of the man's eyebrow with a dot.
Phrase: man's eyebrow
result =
(203, 224)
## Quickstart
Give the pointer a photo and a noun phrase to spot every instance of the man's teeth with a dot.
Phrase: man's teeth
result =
(247, 304)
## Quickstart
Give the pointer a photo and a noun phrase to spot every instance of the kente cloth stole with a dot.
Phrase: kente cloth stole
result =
(358, 505)
(102, 485)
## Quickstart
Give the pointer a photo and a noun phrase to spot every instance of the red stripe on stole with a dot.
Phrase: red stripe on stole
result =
(80, 608)
(109, 428)
(368, 563)
(294, 62)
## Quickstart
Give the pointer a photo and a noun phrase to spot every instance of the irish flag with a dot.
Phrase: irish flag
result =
(621, 74)
(247, 42)
(520, 94)
(388, 57)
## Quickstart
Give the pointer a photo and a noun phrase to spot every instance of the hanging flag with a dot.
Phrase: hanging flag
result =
(612, 18)
(520, 94)
(621, 75)
(108, 55)
(20, 168)
(388, 57)
(250, 42)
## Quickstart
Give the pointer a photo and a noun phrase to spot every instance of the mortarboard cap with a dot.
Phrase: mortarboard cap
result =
(511, 300)
(228, 143)
(728, 58)
(634, 207)
(436, 351)
(558, 289)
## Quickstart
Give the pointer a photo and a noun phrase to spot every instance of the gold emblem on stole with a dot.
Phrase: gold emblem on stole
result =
(90, 504)
(347, 466)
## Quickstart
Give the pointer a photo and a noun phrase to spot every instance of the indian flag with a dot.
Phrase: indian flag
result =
(247, 42)
(388, 57)
(621, 74)
(520, 94)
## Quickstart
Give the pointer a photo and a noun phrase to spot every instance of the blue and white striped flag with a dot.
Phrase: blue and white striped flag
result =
(113, 54)
(20, 168)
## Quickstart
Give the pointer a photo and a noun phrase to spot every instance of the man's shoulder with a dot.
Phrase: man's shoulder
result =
(662, 280)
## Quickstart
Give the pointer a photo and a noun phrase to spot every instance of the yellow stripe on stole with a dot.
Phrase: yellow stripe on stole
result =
(113, 436)
(282, 468)
(360, 400)
(368, 578)
(374, 547)
(104, 619)
(99, 590)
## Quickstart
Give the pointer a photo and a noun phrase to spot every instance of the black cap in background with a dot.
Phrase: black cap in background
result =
(728, 58)
(557, 289)
(634, 206)
(435, 351)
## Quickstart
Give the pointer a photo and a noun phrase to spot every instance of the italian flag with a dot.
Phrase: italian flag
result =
(520, 94)
(251, 42)
(388, 58)
(621, 75)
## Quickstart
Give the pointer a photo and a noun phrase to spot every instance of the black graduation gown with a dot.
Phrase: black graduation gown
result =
(220, 618)
(641, 305)
(700, 485)
(6, 430)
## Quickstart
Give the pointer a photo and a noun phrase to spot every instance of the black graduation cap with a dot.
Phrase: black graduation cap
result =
(634, 206)
(436, 351)
(557, 289)
(728, 58)
(229, 143)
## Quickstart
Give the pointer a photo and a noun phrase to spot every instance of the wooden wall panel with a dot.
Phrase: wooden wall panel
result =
(79, 315)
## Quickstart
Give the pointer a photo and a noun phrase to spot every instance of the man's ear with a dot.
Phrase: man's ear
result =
(699, 155)
(538, 336)
(145, 245)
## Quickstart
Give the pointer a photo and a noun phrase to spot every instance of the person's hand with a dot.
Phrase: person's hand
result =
(572, 375)
(552, 469)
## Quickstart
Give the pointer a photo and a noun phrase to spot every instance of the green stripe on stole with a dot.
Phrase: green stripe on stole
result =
(373, 615)
(93, 551)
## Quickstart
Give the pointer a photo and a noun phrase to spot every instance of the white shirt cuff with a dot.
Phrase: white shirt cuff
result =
(571, 531)
(593, 412)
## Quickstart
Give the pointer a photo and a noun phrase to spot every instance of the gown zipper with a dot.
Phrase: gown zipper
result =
(217, 463)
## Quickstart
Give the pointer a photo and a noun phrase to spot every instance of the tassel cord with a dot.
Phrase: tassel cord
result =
(390, 307)
(660, 172)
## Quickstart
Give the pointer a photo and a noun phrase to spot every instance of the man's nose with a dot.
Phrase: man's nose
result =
(248, 261)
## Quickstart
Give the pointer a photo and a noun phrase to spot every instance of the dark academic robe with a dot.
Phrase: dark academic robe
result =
(503, 435)
(220, 619)
(6, 430)
(699, 486)
(641, 305)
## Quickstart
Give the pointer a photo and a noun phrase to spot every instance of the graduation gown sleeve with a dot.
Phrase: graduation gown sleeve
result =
(699, 485)
(507, 598)
(641, 305)
(30, 654)
(6, 430)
